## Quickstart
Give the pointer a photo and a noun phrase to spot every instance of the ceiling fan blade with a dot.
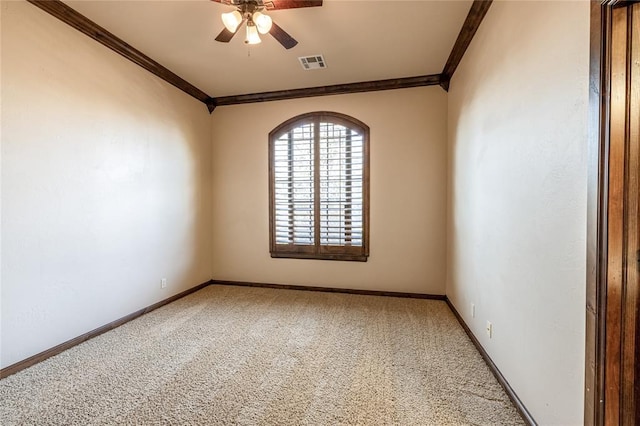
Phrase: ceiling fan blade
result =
(282, 36)
(289, 4)
(225, 35)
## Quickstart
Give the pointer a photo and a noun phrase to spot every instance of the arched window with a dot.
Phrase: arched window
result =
(319, 188)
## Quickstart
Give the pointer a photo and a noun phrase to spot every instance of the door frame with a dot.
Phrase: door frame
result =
(597, 207)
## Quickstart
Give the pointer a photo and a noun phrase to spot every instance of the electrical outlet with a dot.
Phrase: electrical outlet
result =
(163, 283)
(473, 310)
(489, 329)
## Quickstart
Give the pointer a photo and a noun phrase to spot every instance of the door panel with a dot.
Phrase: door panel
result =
(622, 295)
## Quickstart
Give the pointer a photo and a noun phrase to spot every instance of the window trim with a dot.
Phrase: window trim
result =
(318, 251)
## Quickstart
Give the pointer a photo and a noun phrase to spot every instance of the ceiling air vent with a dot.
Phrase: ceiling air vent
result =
(314, 62)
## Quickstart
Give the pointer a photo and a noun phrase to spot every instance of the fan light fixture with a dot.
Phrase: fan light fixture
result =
(252, 34)
(232, 20)
(262, 21)
(252, 13)
(257, 22)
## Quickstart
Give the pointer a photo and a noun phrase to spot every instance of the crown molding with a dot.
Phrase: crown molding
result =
(83, 24)
(474, 18)
(337, 89)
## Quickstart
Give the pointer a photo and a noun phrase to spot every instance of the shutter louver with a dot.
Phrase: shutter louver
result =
(294, 187)
(341, 161)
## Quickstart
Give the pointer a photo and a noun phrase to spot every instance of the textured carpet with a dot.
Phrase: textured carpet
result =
(233, 355)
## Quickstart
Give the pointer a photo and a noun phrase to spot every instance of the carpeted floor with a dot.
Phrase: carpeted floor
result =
(252, 356)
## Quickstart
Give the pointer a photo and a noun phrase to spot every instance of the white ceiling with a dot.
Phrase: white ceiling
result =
(360, 40)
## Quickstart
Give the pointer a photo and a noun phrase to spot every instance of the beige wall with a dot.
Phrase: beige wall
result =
(517, 150)
(105, 185)
(408, 193)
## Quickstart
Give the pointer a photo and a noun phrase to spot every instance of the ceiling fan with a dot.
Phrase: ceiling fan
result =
(252, 12)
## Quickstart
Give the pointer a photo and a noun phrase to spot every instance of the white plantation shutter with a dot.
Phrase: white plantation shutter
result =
(341, 161)
(293, 155)
(318, 188)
